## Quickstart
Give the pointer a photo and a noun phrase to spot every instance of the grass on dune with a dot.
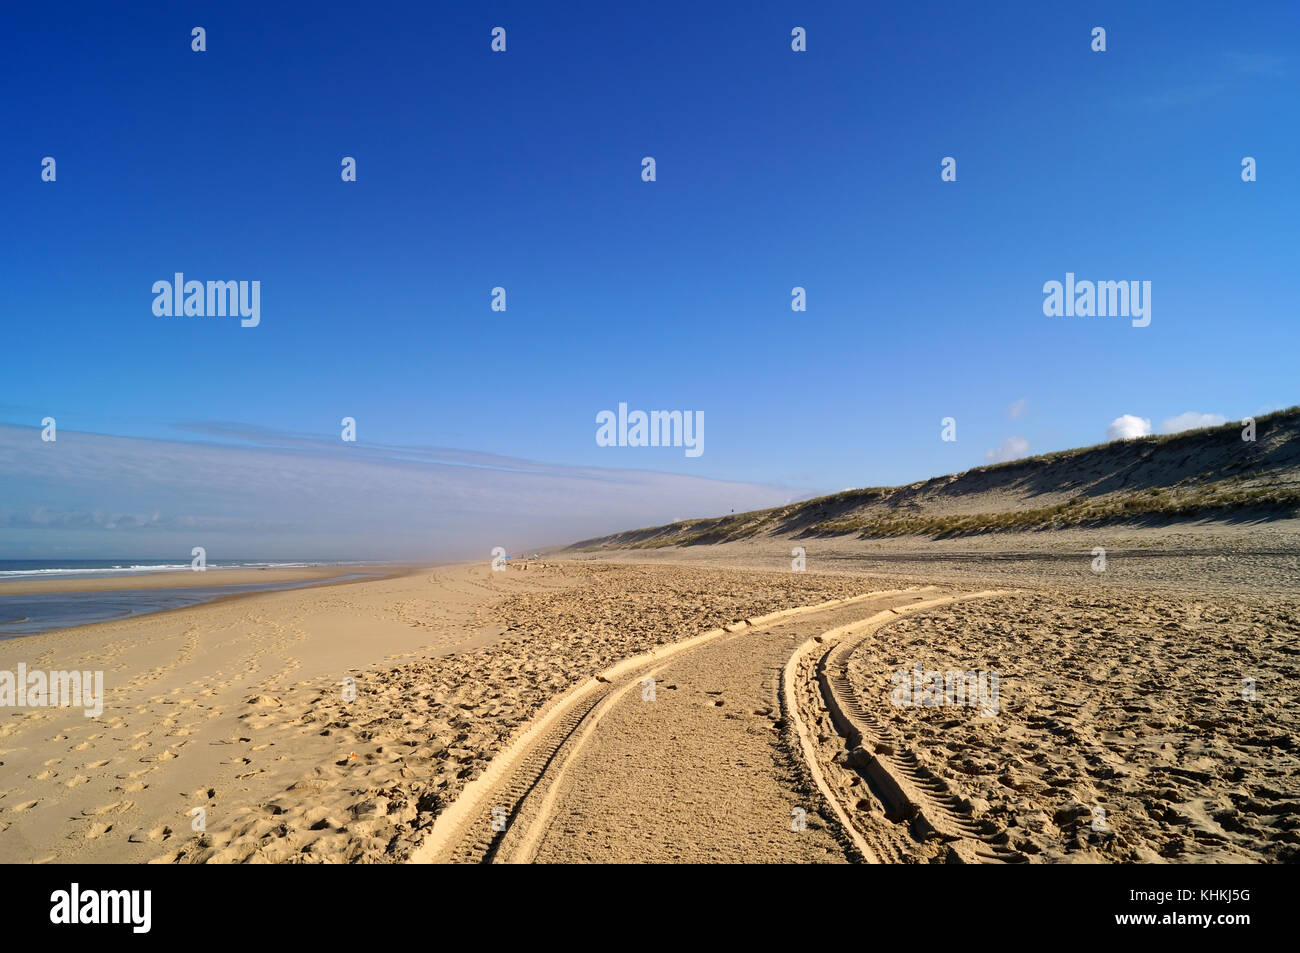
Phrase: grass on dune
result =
(1215, 499)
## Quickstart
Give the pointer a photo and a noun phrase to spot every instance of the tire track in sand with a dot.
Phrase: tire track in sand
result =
(883, 794)
(542, 785)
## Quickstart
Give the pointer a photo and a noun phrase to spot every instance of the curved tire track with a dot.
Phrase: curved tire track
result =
(522, 780)
(912, 799)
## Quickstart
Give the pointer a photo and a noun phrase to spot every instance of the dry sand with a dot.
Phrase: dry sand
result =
(236, 707)
(1131, 727)
(704, 768)
(422, 730)
(193, 696)
(1120, 691)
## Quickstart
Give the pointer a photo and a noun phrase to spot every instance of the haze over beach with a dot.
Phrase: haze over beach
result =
(1080, 631)
(557, 434)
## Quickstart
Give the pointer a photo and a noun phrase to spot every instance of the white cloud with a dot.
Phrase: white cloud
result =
(1191, 421)
(1011, 449)
(1127, 427)
(1018, 408)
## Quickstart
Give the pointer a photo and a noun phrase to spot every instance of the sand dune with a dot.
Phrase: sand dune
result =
(1158, 480)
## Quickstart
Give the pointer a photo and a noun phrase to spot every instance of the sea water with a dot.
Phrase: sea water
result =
(35, 612)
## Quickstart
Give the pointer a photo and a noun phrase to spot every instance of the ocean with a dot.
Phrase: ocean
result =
(46, 568)
(33, 613)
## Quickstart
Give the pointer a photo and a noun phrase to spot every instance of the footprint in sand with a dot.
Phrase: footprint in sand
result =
(117, 806)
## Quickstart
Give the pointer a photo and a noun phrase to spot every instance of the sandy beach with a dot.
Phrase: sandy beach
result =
(519, 699)
(185, 690)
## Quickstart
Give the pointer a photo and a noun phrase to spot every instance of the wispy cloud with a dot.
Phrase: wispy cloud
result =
(1257, 64)
(1186, 94)
(1191, 420)
(1234, 73)
(304, 497)
(1010, 449)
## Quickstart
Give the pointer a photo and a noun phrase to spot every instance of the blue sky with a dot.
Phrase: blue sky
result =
(522, 169)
